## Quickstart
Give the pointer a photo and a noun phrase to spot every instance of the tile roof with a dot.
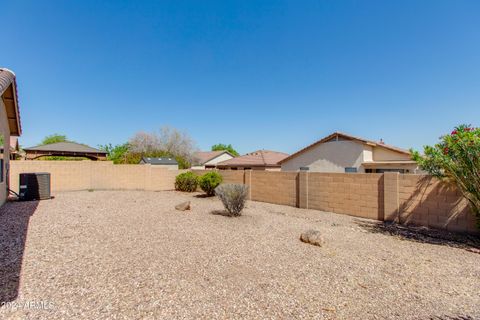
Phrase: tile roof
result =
(202, 157)
(259, 158)
(348, 137)
(66, 147)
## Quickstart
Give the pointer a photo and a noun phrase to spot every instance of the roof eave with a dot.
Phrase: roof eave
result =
(12, 87)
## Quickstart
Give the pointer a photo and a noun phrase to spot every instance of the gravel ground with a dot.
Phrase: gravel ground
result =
(131, 255)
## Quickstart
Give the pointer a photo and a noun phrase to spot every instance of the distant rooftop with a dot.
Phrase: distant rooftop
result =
(66, 147)
(259, 158)
(161, 161)
(202, 157)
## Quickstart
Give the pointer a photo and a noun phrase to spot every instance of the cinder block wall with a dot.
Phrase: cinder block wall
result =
(279, 187)
(84, 175)
(424, 200)
(354, 194)
(409, 199)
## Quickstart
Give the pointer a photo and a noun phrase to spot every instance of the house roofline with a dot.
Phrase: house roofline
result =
(349, 137)
(216, 156)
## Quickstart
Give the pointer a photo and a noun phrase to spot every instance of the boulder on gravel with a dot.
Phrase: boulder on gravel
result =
(313, 237)
(183, 206)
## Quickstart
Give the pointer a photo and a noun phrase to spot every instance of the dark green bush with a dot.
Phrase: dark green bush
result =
(187, 181)
(209, 181)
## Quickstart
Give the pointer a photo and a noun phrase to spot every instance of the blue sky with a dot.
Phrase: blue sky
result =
(258, 74)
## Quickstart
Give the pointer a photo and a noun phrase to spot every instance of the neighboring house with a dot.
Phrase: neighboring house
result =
(340, 152)
(209, 159)
(65, 149)
(9, 125)
(257, 160)
(167, 163)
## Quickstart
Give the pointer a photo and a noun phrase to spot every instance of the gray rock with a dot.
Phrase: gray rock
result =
(313, 237)
(183, 206)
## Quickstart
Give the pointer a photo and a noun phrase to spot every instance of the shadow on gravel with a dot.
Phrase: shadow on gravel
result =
(224, 213)
(422, 234)
(453, 318)
(203, 195)
(14, 219)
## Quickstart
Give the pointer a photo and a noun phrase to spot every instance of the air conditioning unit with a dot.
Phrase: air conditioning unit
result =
(35, 186)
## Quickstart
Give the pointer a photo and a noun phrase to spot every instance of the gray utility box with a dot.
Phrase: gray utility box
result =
(35, 186)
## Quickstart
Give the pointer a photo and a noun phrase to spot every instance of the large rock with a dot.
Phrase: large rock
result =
(183, 206)
(313, 237)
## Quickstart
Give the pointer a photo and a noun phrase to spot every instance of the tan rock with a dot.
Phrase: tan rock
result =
(313, 237)
(183, 206)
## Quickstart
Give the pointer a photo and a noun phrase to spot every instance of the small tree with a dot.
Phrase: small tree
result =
(221, 147)
(116, 153)
(54, 138)
(456, 158)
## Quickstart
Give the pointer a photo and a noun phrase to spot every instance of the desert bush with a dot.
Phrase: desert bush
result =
(233, 197)
(209, 181)
(187, 181)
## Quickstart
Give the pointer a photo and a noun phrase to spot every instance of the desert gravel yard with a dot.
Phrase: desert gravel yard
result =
(131, 255)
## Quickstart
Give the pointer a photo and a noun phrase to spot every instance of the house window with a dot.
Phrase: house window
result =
(350, 170)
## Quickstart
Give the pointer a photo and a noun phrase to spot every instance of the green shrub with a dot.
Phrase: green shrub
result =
(187, 181)
(209, 181)
(233, 197)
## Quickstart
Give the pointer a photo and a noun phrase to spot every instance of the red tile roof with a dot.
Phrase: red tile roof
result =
(259, 158)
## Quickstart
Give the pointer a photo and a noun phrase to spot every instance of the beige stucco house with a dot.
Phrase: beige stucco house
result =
(9, 125)
(340, 152)
(209, 159)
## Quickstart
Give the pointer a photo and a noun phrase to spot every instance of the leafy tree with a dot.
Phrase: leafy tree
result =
(221, 147)
(456, 158)
(54, 138)
(117, 153)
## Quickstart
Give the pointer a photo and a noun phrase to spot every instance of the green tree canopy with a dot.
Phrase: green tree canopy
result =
(54, 138)
(456, 158)
(221, 147)
(117, 153)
